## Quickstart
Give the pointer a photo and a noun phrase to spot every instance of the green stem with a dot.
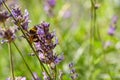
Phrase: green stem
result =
(93, 19)
(28, 41)
(96, 30)
(11, 61)
(24, 60)
(55, 72)
(11, 57)
(106, 64)
(4, 25)
(91, 29)
(92, 37)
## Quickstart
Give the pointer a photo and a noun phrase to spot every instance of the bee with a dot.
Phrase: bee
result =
(32, 35)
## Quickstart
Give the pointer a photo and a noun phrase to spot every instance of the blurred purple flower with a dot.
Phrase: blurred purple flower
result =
(52, 2)
(71, 65)
(114, 19)
(113, 27)
(73, 73)
(111, 30)
(107, 44)
(74, 77)
(49, 6)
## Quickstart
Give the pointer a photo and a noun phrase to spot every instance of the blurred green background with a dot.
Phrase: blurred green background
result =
(72, 23)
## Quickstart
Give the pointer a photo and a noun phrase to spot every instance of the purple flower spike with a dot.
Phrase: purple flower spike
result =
(52, 2)
(8, 34)
(114, 19)
(113, 27)
(111, 30)
(45, 45)
(22, 19)
(49, 7)
(73, 73)
(59, 59)
(26, 20)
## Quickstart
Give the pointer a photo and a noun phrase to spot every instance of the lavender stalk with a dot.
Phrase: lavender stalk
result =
(24, 60)
(11, 61)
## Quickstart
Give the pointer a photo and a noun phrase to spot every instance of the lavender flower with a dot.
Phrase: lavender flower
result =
(71, 65)
(45, 45)
(112, 27)
(107, 44)
(48, 7)
(67, 14)
(36, 76)
(26, 20)
(73, 73)
(111, 30)
(114, 19)
(73, 77)
(16, 12)
(4, 16)
(45, 77)
(7, 34)
(59, 59)
(51, 2)
(21, 19)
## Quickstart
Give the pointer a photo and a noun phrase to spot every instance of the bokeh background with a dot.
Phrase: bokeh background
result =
(71, 20)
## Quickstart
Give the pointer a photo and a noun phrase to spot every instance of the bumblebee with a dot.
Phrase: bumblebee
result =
(32, 35)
